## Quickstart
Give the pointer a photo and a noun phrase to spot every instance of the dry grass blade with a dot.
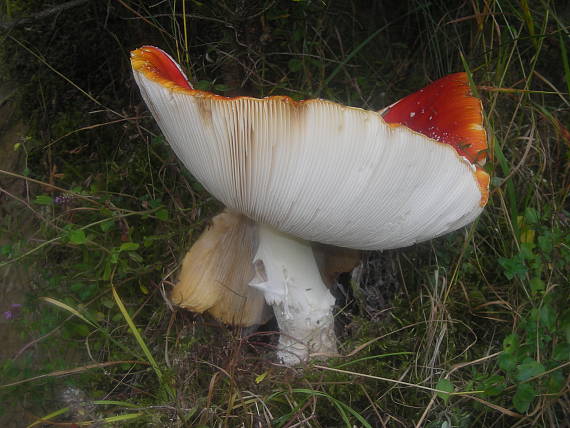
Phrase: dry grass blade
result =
(399, 382)
(75, 370)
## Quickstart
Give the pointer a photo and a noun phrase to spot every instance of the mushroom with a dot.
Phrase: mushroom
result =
(318, 171)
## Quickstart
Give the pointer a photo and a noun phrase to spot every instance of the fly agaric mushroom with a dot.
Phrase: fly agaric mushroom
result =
(320, 171)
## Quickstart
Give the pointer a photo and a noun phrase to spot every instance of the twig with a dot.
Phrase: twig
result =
(39, 339)
(496, 407)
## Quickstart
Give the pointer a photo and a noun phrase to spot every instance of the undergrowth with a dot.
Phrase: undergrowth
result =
(477, 332)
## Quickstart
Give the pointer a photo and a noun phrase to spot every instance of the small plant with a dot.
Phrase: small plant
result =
(534, 357)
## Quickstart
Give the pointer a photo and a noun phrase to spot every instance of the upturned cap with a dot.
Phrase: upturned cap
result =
(323, 171)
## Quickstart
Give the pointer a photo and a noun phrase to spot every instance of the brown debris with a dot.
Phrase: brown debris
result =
(333, 261)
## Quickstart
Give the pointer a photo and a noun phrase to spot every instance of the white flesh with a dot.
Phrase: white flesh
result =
(287, 274)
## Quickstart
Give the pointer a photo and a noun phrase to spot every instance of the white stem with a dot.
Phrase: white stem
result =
(287, 274)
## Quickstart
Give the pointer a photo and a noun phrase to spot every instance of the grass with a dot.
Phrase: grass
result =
(473, 329)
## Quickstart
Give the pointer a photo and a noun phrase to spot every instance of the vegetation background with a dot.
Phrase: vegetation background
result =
(470, 330)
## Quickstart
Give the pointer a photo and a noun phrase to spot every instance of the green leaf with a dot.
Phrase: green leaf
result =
(523, 397)
(162, 214)
(129, 246)
(497, 181)
(77, 236)
(565, 326)
(561, 352)
(107, 302)
(202, 85)
(444, 385)
(531, 215)
(155, 203)
(513, 267)
(43, 200)
(526, 251)
(106, 225)
(88, 292)
(511, 343)
(135, 256)
(114, 258)
(220, 87)
(298, 34)
(83, 291)
(529, 368)
(507, 362)
(149, 240)
(107, 271)
(259, 379)
(76, 287)
(295, 65)
(555, 383)
(80, 330)
(548, 317)
(493, 385)
(537, 285)
(546, 242)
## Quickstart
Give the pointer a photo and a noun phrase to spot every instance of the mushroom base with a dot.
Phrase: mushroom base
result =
(288, 276)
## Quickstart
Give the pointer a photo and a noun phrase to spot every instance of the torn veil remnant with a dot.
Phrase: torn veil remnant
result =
(217, 270)
(319, 171)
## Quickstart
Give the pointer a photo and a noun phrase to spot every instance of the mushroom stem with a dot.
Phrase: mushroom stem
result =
(288, 276)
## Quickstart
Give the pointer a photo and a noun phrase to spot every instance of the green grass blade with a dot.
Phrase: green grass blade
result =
(565, 64)
(115, 403)
(93, 324)
(341, 406)
(373, 357)
(48, 417)
(125, 417)
(137, 334)
(361, 45)
(68, 308)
